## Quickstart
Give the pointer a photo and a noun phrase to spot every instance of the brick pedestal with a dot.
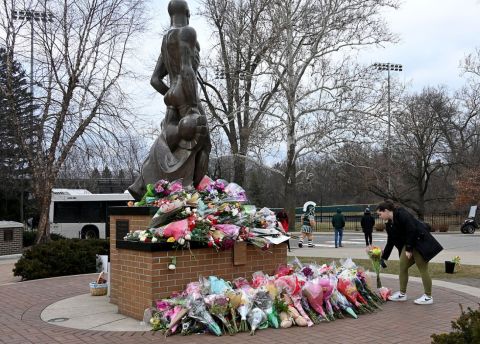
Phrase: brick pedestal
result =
(140, 274)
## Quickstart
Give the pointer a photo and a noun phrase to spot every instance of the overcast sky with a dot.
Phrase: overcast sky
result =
(434, 36)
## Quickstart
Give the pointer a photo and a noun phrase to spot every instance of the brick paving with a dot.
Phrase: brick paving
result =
(22, 303)
(6, 274)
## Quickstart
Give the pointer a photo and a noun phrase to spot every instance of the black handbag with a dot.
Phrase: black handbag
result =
(426, 244)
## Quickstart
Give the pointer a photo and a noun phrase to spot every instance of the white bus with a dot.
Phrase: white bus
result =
(77, 213)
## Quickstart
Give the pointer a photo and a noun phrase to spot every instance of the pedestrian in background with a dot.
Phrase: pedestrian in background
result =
(282, 219)
(308, 223)
(367, 222)
(338, 222)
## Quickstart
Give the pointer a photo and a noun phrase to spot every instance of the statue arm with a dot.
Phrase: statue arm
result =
(157, 78)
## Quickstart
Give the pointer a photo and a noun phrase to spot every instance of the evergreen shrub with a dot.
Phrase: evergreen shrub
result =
(60, 258)
(466, 329)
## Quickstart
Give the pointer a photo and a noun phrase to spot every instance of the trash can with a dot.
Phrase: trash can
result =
(449, 267)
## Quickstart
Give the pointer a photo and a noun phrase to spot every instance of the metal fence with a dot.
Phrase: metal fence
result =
(352, 221)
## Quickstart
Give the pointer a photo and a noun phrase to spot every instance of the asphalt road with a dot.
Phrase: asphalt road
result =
(467, 246)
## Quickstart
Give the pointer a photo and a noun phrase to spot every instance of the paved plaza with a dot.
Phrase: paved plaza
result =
(38, 312)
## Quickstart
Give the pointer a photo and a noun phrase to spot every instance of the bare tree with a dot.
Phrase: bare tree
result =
(324, 93)
(237, 91)
(79, 61)
(419, 149)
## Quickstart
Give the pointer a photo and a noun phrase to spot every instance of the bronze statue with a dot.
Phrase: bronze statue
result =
(183, 146)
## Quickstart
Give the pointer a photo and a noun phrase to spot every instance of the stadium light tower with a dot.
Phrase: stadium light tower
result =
(394, 67)
(31, 16)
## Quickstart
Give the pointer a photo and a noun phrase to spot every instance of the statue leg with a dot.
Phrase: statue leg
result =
(201, 165)
(171, 128)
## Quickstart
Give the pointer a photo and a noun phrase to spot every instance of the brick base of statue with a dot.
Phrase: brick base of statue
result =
(139, 272)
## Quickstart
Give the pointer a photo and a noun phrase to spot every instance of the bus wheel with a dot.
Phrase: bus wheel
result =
(90, 232)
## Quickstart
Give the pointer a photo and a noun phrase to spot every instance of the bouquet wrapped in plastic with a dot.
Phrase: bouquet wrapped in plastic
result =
(235, 300)
(339, 301)
(197, 310)
(177, 229)
(243, 309)
(313, 291)
(328, 288)
(235, 193)
(218, 305)
(349, 290)
(263, 301)
(257, 319)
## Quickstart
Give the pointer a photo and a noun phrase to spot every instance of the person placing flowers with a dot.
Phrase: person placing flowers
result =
(415, 246)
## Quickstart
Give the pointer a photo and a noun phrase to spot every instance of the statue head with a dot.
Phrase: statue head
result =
(178, 9)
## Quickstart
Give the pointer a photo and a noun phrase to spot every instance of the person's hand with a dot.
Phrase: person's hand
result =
(382, 263)
(409, 254)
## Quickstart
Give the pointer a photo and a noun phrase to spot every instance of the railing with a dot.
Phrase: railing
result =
(352, 221)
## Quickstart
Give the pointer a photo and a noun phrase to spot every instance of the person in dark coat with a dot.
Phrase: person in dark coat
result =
(404, 232)
(338, 223)
(367, 222)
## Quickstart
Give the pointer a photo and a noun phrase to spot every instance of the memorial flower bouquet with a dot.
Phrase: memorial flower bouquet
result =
(198, 311)
(235, 299)
(218, 305)
(347, 287)
(263, 301)
(327, 288)
(313, 291)
(243, 309)
(375, 255)
(362, 278)
(256, 318)
(339, 301)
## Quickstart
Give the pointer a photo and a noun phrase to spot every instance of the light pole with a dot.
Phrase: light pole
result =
(396, 68)
(31, 16)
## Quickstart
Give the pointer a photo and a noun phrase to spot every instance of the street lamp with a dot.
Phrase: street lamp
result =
(31, 16)
(395, 67)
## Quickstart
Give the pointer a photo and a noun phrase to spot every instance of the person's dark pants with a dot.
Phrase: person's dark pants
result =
(338, 237)
(368, 237)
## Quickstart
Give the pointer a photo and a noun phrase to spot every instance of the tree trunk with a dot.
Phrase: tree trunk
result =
(290, 181)
(44, 197)
(239, 170)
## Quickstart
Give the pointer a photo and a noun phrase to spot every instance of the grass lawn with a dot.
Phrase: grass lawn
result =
(437, 270)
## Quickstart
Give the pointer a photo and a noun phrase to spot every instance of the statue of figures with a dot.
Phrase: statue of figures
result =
(183, 147)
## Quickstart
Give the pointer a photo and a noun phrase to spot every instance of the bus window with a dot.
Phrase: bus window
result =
(68, 212)
(92, 211)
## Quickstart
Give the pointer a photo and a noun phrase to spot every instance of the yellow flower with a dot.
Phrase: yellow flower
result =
(171, 239)
(456, 260)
